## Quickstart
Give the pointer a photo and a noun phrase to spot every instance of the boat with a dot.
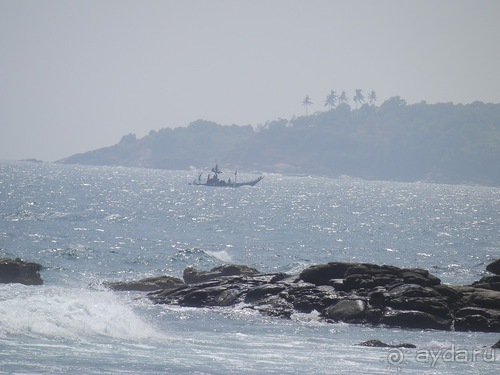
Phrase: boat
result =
(217, 182)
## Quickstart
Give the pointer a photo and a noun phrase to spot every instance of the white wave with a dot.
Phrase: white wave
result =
(221, 255)
(295, 267)
(69, 313)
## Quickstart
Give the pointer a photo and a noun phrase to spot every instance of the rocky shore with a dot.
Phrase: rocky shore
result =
(357, 293)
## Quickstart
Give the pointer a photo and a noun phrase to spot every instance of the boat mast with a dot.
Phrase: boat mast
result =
(216, 169)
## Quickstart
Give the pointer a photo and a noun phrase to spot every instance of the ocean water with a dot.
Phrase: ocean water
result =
(87, 225)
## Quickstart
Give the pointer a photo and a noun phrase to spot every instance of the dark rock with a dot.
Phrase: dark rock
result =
(338, 284)
(359, 293)
(420, 277)
(373, 314)
(428, 305)
(377, 297)
(229, 297)
(416, 297)
(369, 276)
(307, 297)
(412, 291)
(347, 310)
(363, 281)
(477, 319)
(214, 296)
(274, 306)
(321, 274)
(202, 297)
(212, 293)
(479, 297)
(493, 314)
(496, 346)
(192, 276)
(365, 275)
(146, 285)
(263, 291)
(488, 282)
(222, 291)
(380, 344)
(475, 323)
(451, 294)
(19, 271)
(414, 319)
(494, 267)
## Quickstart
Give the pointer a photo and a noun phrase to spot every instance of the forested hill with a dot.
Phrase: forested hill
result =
(444, 143)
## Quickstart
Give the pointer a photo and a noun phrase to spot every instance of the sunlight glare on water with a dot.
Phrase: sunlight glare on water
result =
(87, 225)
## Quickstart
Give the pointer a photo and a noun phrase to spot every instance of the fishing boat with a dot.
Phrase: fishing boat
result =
(217, 182)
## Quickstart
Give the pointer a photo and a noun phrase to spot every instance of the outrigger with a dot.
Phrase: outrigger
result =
(216, 181)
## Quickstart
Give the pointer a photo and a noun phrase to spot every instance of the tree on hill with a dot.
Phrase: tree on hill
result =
(331, 100)
(307, 102)
(372, 97)
(393, 103)
(343, 97)
(358, 98)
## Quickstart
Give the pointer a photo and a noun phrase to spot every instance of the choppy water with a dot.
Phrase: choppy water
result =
(89, 224)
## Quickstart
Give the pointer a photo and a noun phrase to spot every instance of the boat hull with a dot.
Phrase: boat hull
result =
(222, 183)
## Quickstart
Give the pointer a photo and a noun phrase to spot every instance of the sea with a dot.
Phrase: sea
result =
(90, 224)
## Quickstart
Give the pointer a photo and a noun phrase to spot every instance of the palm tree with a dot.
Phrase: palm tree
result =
(372, 97)
(343, 97)
(358, 97)
(331, 99)
(307, 102)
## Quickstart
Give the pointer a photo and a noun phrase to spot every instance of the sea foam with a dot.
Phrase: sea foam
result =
(69, 313)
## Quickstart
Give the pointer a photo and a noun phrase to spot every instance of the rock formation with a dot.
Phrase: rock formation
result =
(192, 275)
(146, 285)
(358, 293)
(19, 271)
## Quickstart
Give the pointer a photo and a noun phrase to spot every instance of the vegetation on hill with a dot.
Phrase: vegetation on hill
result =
(450, 143)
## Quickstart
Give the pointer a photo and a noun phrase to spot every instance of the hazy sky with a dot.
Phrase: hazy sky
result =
(78, 75)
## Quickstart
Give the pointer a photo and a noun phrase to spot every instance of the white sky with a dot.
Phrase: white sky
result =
(77, 75)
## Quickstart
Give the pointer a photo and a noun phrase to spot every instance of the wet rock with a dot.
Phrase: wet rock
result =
(321, 274)
(380, 344)
(430, 306)
(273, 305)
(347, 310)
(365, 275)
(212, 293)
(479, 297)
(412, 291)
(475, 323)
(263, 291)
(146, 285)
(477, 319)
(488, 282)
(192, 276)
(452, 295)
(494, 267)
(420, 277)
(222, 291)
(306, 297)
(358, 293)
(19, 271)
(414, 319)
(378, 296)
